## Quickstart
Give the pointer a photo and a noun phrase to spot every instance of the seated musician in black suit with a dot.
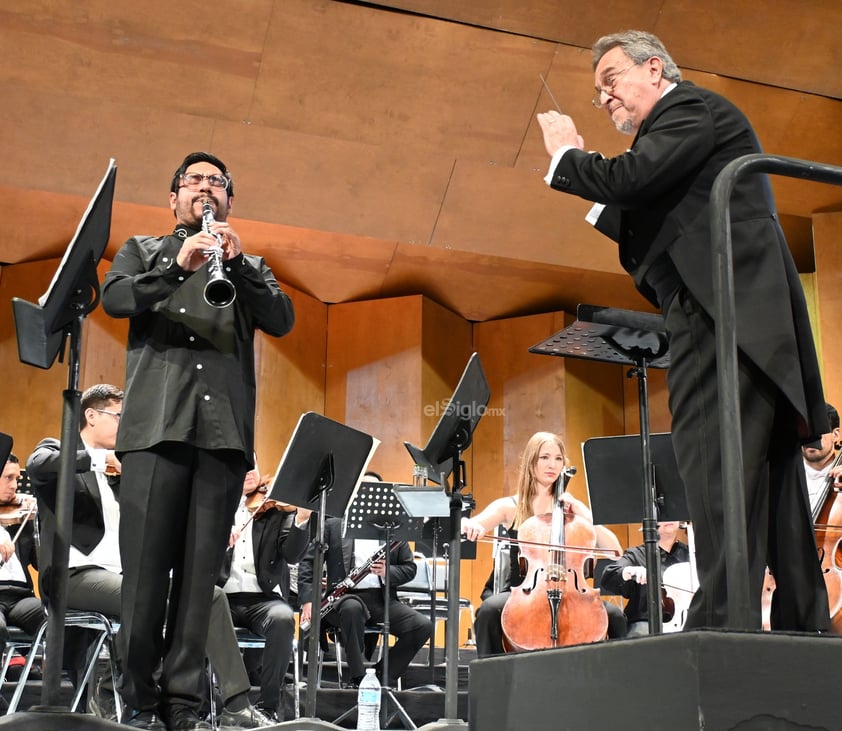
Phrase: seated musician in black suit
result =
(628, 576)
(266, 537)
(364, 605)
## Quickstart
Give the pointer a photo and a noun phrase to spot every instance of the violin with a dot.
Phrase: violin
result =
(553, 606)
(258, 501)
(18, 510)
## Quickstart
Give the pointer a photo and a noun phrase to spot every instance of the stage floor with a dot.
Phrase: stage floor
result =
(422, 697)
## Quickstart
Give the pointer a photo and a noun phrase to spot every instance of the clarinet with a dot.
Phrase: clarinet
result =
(358, 573)
(218, 292)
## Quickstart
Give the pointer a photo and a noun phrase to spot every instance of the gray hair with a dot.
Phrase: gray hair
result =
(639, 46)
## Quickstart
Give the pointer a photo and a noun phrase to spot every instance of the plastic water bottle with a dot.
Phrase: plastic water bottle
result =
(368, 703)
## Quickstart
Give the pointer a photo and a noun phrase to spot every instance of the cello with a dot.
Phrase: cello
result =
(553, 606)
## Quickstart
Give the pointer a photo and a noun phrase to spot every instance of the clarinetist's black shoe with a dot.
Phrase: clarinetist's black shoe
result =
(184, 718)
(143, 719)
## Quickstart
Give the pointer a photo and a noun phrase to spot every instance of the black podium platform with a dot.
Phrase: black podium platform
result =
(705, 679)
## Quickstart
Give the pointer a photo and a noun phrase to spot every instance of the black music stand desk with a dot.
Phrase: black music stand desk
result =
(613, 474)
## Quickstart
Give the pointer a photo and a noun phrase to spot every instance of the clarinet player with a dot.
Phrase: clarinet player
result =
(186, 435)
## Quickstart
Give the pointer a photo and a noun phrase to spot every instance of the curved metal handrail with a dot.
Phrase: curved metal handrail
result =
(726, 358)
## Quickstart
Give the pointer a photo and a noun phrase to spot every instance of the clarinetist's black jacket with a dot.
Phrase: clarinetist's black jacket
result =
(189, 367)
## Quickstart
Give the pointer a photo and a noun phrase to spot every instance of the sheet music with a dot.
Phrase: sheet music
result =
(42, 300)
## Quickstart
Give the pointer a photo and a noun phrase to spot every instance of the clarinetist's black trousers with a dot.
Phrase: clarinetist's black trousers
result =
(177, 505)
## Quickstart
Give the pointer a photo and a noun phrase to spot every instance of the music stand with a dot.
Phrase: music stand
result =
(321, 470)
(44, 330)
(613, 472)
(627, 338)
(375, 513)
(442, 456)
(613, 476)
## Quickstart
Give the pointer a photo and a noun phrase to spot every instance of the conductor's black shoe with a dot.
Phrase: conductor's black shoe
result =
(249, 717)
(143, 719)
(183, 718)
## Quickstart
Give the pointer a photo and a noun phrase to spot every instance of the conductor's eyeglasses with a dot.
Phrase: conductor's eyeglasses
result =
(608, 84)
(194, 180)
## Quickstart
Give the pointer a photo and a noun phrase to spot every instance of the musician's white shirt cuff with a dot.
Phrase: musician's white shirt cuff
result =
(548, 178)
(99, 459)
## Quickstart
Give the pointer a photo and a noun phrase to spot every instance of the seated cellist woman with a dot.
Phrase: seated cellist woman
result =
(542, 462)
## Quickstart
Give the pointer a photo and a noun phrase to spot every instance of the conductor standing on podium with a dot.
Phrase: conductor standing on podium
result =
(656, 206)
(186, 437)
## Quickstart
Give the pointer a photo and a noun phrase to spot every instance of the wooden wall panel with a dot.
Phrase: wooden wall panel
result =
(172, 55)
(290, 378)
(415, 83)
(390, 364)
(826, 233)
(509, 203)
(719, 36)
(574, 23)
(741, 38)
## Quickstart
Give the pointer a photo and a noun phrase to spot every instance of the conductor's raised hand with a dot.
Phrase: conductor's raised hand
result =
(559, 131)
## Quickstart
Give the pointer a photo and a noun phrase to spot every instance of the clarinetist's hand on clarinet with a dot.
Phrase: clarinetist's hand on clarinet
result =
(230, 241)
(192, 257)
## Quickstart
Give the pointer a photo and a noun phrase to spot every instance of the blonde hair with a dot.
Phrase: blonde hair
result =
(527, 488)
